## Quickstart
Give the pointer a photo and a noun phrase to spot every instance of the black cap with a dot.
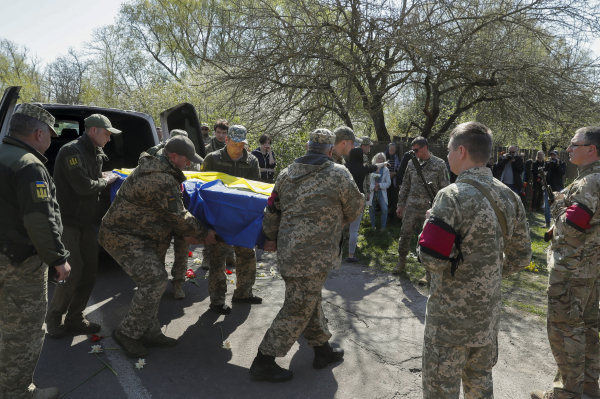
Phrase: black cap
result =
(554, 152)
(182, 145)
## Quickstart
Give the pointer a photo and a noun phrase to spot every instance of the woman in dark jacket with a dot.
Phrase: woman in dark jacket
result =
(359, 171)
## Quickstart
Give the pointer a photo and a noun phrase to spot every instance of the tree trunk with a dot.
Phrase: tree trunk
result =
(378, 118)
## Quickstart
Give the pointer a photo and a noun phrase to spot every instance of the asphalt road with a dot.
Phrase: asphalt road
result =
(377, 318)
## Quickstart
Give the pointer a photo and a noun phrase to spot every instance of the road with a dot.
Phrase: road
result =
(377, 318)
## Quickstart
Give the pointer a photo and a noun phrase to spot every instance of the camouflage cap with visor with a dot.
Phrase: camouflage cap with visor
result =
(237, 133)
(39, 113)
(344, 133)
(100, 121)
(322, 136)
(365, 140)
(178, 132)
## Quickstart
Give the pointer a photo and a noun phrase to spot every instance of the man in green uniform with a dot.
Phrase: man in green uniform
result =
(136, 231)
(79, 181)
(574, 269)
(311, 200)
(236, 161)
(30, 241)
(476, 233)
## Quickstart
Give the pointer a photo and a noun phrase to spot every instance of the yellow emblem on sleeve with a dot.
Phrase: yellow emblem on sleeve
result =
(73, 161)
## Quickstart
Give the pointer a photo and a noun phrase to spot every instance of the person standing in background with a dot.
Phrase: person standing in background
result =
(391, 155)
(266, 159)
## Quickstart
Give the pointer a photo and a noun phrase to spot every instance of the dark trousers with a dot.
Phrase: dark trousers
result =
(72, 297)
(392, 193)
(538, 196)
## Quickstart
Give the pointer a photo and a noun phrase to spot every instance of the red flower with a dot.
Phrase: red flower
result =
(96, 338)
(228, 271)
(190, 274)
(190, 254)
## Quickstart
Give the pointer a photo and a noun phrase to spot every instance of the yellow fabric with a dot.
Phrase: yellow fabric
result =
(230, 181)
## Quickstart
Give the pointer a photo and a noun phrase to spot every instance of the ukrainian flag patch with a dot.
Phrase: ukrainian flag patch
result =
(39, 191)
(172, 203)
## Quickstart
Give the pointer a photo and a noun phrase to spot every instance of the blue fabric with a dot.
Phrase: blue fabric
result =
(235, 215)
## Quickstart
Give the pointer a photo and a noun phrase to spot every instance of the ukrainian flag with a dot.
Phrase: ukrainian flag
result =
(41, 184)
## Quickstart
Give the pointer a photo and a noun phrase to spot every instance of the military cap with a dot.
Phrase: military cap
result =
(178, 132)
(344, 133)
(101, 121)
(204, 125)
(365, 140)
(554, 152)
(181, 145)
(237, 133)
(38, 113)
(322, 136)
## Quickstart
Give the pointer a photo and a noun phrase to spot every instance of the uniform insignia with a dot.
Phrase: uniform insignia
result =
(202, 167)
(73, 162)
(579, 216)
(172, 203)
(39, 191)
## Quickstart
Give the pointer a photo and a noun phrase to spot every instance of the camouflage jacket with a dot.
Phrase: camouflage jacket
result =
(28, 201)
(305, 215)
(465, 309)
(214, 145)
(575, 243)
(413, 195)
(149, 204)
(338, 158)
(157, 151)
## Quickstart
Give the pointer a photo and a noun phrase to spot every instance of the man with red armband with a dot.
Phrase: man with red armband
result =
(475, 233)
(573, 275)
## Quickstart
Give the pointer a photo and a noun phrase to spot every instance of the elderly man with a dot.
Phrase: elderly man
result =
(573, 280)
(136, 231)
(79, 181)
(30, 241)
(476, 233)
(303, 221)
(509, 169)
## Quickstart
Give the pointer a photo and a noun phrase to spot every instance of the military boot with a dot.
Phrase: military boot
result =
(46, 393)
(161, 341)
(178, 292)
(264, 368)
(55, 328)
(542, 395)
(426, 278)
(132, 347)
(399, 266)
(83, 326)
(325, 354)
(591, 389)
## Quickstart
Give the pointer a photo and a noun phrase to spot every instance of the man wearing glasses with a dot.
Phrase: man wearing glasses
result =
(509, 169)
(205, 135)
(413, 201)
(573, 266)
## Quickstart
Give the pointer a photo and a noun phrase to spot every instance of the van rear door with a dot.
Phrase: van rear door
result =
(7, 106)
(184, 117)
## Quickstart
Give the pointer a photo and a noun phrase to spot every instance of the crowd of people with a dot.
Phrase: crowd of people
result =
(473, 233)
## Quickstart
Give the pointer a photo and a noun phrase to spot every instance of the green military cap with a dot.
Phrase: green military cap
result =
(38, 113)
(344, 133)
(101, 121)
(178, 132)
(181, 145)
(237, 133)
(204, 125)
(322, 136)
(365, 140)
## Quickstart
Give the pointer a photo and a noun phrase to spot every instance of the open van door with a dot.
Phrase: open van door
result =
(184, 117)
(7, 107)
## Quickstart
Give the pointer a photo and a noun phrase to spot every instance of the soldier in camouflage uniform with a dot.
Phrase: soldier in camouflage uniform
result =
(303, 222)
(573, 263)
(236, 161)
(30, 241)
(181, 248)
(136, 231)
(365, 144)
(413, 200)
(468, 246)
(344, 143)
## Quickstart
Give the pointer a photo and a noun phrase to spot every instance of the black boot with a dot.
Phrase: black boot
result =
(264, 368)
(325, 354)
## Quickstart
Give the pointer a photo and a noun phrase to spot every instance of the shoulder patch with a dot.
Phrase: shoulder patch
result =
(73, 161)
(172, 203)
(39, 191)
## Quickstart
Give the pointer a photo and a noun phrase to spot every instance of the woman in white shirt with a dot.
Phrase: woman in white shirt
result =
(380, 181)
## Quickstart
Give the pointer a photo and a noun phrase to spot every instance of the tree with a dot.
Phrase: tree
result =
(66, 77)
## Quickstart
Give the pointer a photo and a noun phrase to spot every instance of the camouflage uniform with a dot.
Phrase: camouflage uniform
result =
(214, 145)
(27, 205)
(136, 231)
(305, 216)
(463, 310)
(413, 197)
(247, 167)
(573, 284)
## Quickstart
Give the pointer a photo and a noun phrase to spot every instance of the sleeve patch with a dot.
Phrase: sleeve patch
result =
(437, 238)
(39, 191)
(73, 162)
(172, 204)
(579, 216)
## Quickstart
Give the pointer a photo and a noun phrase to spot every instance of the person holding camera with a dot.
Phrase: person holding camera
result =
(555, 170)
(266, 159)
(509, 169)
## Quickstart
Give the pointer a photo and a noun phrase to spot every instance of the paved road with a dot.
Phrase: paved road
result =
(377, 318)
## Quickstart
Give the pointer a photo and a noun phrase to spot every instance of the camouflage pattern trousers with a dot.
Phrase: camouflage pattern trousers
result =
(144, 261)
(444, 366)
(181, 251)
(573, 334)
(412, 220)
(245, 271)
(302, 312)
(23, 303)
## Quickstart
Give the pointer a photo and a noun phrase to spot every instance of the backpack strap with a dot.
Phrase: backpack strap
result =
(487, 194)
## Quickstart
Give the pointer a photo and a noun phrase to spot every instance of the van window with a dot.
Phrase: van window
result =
(66, 124)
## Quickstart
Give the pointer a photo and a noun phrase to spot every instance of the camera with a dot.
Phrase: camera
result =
(510, 156)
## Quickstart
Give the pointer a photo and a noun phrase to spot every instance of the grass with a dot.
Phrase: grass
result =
(525, 290)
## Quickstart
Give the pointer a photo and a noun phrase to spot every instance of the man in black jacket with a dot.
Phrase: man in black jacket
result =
(556, 170)
(509, 169)
(79, 181)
